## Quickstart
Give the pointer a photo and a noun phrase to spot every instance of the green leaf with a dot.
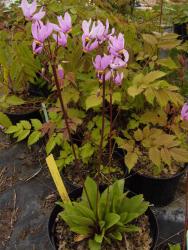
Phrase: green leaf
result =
(179, 154)
(12, 129)
(50, 145)
(86, 152)
(116, 235)
(111, 219)
(174, 247)
(165, 156)
(134, 91)
(14, 100)
(167, 62)
(23, 135)
(131, 160)
(93, 245)
(152, 76)
(169, 44)
(131, 229)
(4, 120)
(93, 101)
(149, 95)
(155, 156)
(26, 124)
(91, 189)
(36, 124)
(138, 135)
(151, 39)
(34, 137)
(99, 238)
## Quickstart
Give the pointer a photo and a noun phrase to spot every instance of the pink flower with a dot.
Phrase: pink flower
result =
(117, 63)
(118, 78)
(89, 45)
(65, 24)
(30, 9)
(184, 112)
(93, 35)
(101, 65)
(40, 33)
(61, 39)
(116, 44)
(106, 35)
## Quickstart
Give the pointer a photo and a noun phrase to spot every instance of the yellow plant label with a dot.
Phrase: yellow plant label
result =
(57, 178)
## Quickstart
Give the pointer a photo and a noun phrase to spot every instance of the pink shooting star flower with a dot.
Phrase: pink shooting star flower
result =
(61, 39)
(106, 34)
(117, 63)
(89, 45)
(184, 112)
(30, 9)
(40, 33)
(93, 35)
(118, 78)
(116, 45)
(65, 25)
(101, 65)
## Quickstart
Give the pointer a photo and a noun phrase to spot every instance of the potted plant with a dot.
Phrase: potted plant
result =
(156, 153)
(111, 219)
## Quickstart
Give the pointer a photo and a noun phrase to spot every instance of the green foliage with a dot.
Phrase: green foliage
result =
(25, 129)
(108, 221)
(160, 148)
(174, 247)
(154, 89)
(4, 120)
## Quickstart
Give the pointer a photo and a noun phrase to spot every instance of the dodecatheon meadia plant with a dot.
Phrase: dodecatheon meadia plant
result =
(61, 39)
(40, 33)
(118, 78)
(29, 11)
(116, 44)
(184, 112)
(94, 34)
(65, 24)
(101, 64)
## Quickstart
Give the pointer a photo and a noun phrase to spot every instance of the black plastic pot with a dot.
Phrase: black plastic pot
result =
(17, 117)
(159, 191)
(76, 194)
(181, 29)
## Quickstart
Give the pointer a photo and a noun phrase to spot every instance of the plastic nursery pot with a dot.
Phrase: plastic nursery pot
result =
(181, 29)
(76, 194)
(27, 115)
(157, 190)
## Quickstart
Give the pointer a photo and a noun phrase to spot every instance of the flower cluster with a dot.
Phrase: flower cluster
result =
(106, 66)
(41, 31)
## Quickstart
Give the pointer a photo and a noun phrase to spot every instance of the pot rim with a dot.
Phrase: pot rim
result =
(183, 170)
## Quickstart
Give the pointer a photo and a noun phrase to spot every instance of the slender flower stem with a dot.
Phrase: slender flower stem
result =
(64, 111)
(103, 124)
(100, 147)
(111, 124)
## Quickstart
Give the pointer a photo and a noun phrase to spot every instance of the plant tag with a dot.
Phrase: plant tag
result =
(57, 178)
(45, 112)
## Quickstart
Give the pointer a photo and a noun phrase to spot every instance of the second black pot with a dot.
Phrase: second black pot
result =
(76, 194)
(159, 191)
(17, 117)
